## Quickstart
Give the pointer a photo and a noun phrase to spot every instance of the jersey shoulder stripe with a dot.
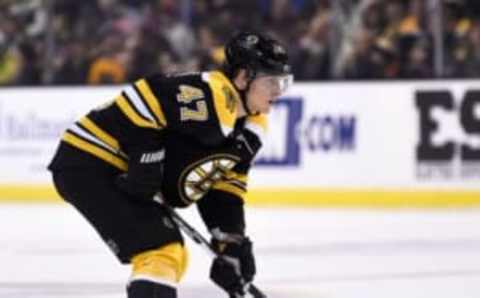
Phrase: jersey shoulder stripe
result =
(81, 132)
(98, 132)
(153, 103)
(138, 104)
(225, 98)
(133, 114)
(141, 106)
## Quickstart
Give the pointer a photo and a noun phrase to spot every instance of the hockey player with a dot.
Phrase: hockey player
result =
(189, 137)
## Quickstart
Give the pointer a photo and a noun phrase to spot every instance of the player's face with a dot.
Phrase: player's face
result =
(264, 90)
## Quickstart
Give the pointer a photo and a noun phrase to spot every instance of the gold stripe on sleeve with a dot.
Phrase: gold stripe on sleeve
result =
(151, 100)
(94, 150)
(100, 133)
(134, 117)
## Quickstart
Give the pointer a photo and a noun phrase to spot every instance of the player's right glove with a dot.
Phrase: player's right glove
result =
(233, 270)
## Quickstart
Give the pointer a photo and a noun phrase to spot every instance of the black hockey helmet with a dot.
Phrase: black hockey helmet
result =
(256, 53)
(260, 56)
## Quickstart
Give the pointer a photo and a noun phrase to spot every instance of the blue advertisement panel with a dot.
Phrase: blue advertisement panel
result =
(292, 131)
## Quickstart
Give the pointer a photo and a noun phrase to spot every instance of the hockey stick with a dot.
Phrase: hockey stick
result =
(199, 239)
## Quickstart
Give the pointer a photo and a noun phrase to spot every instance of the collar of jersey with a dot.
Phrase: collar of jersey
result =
(226, 81)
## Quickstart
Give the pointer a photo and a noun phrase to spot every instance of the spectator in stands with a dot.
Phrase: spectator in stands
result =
(311, 58)
(467, 56)
(11, 64)
(367, 60)
(70, 66)
(11, 60)
(112, 64)
(209, 51)
(418, 64)
(326, 41)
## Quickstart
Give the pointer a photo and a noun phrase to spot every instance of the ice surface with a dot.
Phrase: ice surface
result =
(51, 251)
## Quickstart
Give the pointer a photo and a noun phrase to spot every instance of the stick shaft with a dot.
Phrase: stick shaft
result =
(199, 239)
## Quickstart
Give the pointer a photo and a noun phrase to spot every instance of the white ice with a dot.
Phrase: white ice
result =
(51, 251)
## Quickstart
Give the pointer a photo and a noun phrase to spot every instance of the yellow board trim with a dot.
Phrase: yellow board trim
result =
(362, 198)
(96, 151)
(217, 82)
(100, 133)
(28, 193)
(136, 119)
(297, 198)
(152, 101)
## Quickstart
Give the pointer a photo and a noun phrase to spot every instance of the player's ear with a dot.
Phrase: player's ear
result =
(241, 79)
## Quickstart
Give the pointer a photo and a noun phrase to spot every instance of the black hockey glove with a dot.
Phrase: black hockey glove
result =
(233, 270)
(246, 144)
(145, 174)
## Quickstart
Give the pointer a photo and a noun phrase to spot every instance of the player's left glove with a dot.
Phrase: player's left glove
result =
(233, 270)
(246, 145)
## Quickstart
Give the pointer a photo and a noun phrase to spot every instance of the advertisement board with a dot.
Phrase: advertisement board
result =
(378, 135)
(337, 142)
(31, 123)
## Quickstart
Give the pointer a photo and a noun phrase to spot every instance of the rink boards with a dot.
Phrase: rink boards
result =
(336, 144)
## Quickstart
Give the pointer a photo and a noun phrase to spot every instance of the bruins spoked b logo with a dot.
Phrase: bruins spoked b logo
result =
(198, 178)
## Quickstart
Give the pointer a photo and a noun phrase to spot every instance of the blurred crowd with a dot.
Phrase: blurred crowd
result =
(114, 41)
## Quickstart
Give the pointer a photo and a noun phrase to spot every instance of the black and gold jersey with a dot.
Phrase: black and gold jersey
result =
(188, 120)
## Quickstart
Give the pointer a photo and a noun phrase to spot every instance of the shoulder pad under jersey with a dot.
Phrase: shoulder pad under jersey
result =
(225, 98)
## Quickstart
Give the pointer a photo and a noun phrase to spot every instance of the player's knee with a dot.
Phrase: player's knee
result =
(166, 264)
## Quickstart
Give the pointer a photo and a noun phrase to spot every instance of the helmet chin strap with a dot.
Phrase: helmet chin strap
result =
(243, 99)
(251, 74)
